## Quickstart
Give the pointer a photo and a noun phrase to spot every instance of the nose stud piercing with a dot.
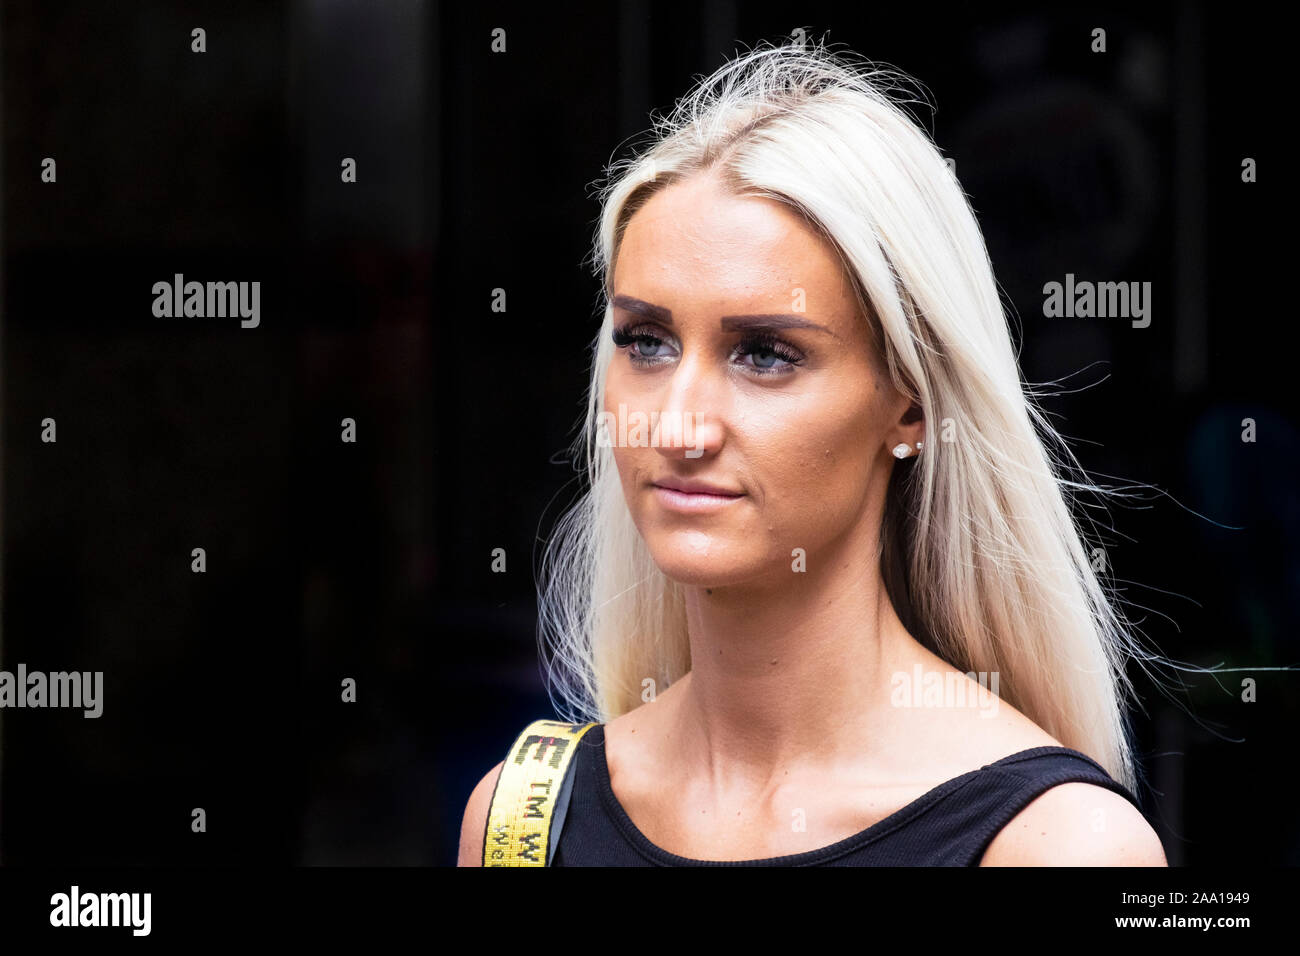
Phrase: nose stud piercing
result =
(902, 450)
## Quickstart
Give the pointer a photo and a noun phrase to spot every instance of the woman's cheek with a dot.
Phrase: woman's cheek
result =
(826, 481)
(793, 475)
(631, 467)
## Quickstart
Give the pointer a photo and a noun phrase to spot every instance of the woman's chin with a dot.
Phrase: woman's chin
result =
(707, 564)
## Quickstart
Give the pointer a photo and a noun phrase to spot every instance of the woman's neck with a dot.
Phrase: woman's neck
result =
(795, 673)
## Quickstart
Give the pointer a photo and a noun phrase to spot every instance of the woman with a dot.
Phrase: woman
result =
(834, 610)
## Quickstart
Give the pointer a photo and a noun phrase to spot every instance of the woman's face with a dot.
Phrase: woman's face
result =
(736, 318)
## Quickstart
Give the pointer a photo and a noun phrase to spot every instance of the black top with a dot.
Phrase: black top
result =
(951, 825)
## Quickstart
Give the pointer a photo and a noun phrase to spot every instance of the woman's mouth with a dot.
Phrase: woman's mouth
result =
(693, 496)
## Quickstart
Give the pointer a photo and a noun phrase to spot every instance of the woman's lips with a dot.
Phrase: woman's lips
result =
(696, 501)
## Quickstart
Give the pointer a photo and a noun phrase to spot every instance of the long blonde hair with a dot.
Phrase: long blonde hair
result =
(980, 553)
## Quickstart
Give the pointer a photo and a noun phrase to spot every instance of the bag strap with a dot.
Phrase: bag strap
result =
(519, 822)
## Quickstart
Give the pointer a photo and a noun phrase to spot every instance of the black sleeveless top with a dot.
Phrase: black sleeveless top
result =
(951, 825)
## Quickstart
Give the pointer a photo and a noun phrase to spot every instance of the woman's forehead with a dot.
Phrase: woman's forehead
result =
(690, 240)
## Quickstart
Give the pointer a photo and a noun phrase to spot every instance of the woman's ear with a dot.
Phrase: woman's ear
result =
(910, 432)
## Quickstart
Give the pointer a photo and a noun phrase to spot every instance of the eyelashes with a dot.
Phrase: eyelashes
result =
(772, 355)
(772, 350)
(627, 335)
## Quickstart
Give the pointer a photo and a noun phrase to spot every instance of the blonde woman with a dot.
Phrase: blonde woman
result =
(833, 608)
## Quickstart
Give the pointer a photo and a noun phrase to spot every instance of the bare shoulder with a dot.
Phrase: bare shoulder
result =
(474, 824)
(1071, 824)
(977, 728)
(1077, 824)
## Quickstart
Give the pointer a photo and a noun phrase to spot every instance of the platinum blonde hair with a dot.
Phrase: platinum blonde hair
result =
(980, 552)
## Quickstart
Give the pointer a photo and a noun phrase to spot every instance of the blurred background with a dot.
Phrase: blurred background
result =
(475, 170)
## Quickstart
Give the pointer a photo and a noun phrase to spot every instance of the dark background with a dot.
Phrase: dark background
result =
(475, 171)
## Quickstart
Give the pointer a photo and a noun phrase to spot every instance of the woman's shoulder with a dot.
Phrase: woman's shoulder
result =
(1077, 824)
(1073, 823)
(473, 826)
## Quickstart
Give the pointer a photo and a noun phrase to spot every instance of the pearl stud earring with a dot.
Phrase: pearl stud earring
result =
(902, 450)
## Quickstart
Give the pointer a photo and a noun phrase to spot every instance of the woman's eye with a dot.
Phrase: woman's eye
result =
(764, 358)
(642, 346)
(769, 357)
(647, 346)
(761, 356)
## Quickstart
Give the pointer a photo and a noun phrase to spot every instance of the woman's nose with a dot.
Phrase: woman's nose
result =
(690, 424)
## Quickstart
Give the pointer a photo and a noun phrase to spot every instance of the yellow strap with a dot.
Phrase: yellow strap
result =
(519, 819)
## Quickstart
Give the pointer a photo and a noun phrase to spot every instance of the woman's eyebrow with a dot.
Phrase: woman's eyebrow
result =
(729, 323)
(656, 312)
(775, 320)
